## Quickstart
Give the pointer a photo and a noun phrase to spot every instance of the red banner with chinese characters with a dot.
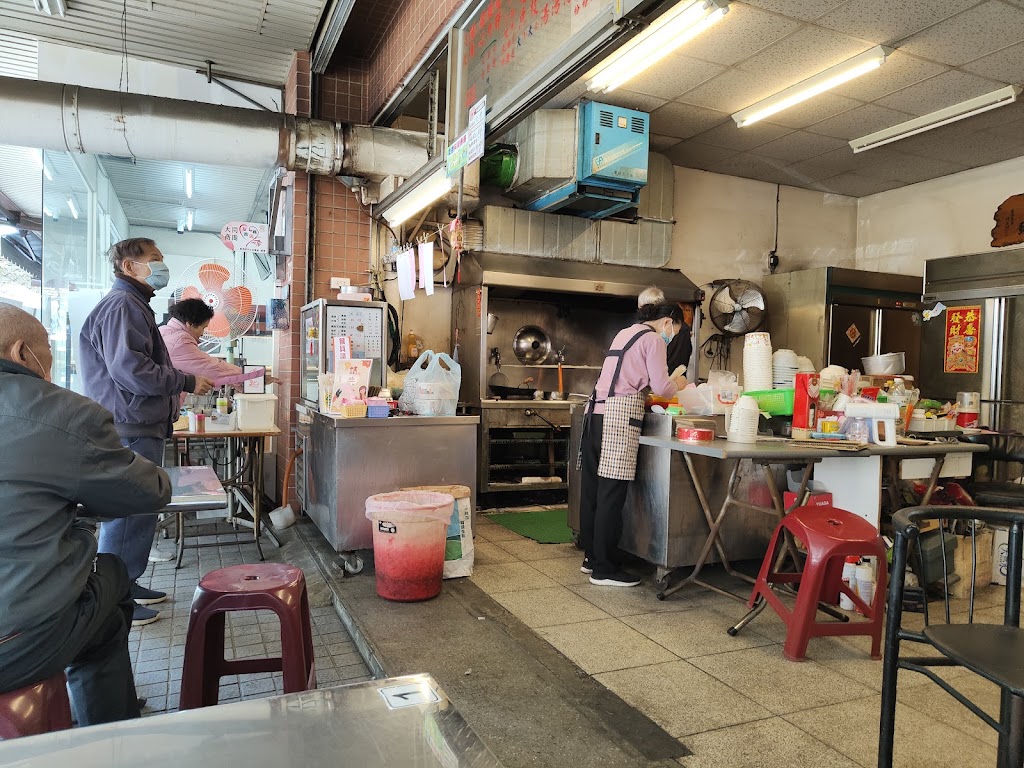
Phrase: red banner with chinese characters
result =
(963, 340)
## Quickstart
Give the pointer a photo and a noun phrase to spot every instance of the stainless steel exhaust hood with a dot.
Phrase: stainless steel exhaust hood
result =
(978, 276)
(513, 276)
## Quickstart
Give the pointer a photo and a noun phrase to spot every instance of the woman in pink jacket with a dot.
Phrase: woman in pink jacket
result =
(189, 319)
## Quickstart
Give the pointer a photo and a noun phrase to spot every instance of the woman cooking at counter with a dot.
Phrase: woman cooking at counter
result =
(611, 435)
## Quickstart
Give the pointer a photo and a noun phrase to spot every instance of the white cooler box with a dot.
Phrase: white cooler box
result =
(255, 412)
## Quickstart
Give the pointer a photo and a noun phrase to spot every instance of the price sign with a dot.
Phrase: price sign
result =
(468, 145)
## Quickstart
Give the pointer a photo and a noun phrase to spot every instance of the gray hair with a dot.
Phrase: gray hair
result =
(133, 248)
(650, 295)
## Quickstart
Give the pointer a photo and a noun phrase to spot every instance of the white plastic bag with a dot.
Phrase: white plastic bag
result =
(697, 401)
(432, 386)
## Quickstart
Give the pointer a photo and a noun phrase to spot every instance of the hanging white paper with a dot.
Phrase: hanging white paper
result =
(427, 267)
(406, 274)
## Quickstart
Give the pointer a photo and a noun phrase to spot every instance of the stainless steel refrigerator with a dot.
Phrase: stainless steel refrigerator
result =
(994, 283)
(837, 316)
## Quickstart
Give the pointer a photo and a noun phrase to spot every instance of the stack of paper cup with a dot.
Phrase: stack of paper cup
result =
(757, 362)
(743, 421)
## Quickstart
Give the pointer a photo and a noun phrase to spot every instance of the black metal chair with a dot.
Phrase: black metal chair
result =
(999, 493)
(994, 651)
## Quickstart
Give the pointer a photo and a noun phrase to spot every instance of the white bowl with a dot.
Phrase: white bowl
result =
(889, 364)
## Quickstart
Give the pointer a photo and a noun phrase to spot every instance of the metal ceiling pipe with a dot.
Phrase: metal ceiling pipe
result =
(72, 118)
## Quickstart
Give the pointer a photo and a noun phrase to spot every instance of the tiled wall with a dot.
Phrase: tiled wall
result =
(414, 28)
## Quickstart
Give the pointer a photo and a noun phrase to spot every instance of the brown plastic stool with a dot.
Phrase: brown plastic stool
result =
(267, 586)
(34, 709)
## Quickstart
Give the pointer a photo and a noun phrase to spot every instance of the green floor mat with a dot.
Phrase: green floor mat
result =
(547, 526)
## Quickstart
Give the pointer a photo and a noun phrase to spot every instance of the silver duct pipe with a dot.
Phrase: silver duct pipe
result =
(72, 118)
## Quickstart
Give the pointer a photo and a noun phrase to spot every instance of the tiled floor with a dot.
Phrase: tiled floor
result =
(158, 649)
(732, 701)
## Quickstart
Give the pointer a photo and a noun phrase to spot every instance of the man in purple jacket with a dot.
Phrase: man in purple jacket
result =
(126, 369)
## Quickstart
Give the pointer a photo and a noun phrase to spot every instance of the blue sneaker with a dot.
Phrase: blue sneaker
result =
(144, 596)
(144, 616)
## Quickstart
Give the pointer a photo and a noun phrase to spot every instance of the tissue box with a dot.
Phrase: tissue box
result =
(814, 499)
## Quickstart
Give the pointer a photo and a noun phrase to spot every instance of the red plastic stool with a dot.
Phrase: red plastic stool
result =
(830, 535)
(34, 709)
(267, 586)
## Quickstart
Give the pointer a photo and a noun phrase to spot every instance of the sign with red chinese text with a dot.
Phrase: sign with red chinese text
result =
(1009, 218)
(508, 47)
(245, 236)
(963, 340)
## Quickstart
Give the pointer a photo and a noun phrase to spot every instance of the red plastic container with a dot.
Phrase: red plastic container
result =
(409, 536)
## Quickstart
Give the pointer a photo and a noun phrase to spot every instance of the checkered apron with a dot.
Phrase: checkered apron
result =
(623, 422)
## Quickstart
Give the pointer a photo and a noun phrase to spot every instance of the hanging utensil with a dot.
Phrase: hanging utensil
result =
(531, 345)
(498, 380)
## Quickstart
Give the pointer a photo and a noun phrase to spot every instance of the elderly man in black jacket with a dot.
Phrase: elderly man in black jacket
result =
(62, 606)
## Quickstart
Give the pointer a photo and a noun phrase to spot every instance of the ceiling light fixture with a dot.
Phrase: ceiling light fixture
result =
(945, 116)
(38, 157)
(72, 208)
(665, 34)
(429, 190)
(51, 7)
(47, 212)
(8, 229)
(188, 183)
(190, 216)
(813, 86)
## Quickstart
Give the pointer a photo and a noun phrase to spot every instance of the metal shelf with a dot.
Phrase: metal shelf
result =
(553, 366)
(532, 465)
(528, 441)
(492, 487)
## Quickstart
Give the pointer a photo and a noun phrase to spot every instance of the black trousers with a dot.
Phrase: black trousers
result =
(89, 642)
(601, 502)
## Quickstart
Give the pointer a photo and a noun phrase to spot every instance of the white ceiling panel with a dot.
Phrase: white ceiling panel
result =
(19, 55)
(814, 111)
(807, 10)
(693, 154)
(859, 122)
(970, 35)
(888, 21)
(855, 185)
(899, 71)
(743, 31)
(941, 91)
(674, 77)
(21, 178)
(746, 164)
(742, 139)
(730, 92)
(909, 169)
(661, 143)
(1006, 65)
(838, 162)
(798, 145)
(640, 101)
(801, 55)
(683, 120)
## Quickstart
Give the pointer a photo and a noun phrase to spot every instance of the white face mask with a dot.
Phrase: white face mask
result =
(44, 372)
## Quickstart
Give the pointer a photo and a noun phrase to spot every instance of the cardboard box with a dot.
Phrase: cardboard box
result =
(962, 564)
(814, 499)
(1000, 544)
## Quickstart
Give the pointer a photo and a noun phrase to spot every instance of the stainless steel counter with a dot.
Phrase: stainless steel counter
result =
(776, 450)
(352, 459)
(405, 721)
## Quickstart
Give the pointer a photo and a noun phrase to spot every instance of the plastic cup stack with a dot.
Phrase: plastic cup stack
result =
(743, 421)
(784, 368)
(757, 362)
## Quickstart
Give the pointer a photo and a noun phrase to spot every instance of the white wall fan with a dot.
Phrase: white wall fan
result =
(226, 289)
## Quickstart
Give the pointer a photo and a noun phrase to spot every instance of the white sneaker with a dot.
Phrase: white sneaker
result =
(617, 579)
(159, 556)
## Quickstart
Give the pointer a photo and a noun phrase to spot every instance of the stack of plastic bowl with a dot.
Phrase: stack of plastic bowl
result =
(757, 362)
(743, 421)
(830, 376)
(805, 365)
(784, 368)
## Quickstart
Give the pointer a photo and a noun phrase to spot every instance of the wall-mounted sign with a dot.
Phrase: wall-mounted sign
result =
(514, 51)
(245, 236)
(1009, 228)
(468, 145)
(963, 340)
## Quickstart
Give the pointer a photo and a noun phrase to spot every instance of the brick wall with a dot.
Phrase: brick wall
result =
(414, 28)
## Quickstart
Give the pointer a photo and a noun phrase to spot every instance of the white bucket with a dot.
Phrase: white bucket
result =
(255, 412)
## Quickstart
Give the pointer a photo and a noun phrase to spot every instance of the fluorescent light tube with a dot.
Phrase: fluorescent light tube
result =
(7, 229)
(813, 86)
(431, 189)
(188, 183)
(72, 208)
(47, 212)
(38, 157)
(945, 116)
(664, 35)
(190, 215)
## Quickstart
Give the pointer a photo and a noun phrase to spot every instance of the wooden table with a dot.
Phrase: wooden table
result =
(243, 479)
